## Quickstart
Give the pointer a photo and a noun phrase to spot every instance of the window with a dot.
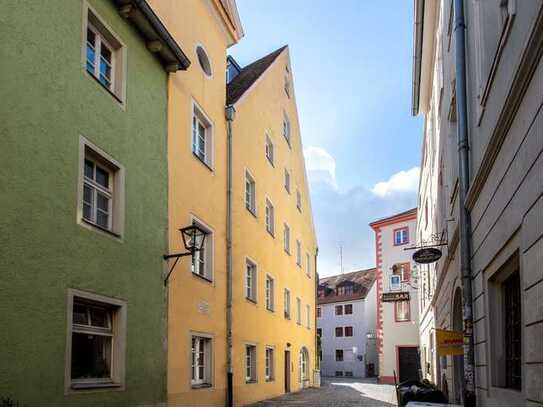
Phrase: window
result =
(298, 311)
(298, 253)
(202, 136)
(269, 293)
(102, 189)
(339, 331)
(269, 149)
(286, 128)
(348, 309)
(395, 282)
(319, 332)
(319, 312)
(401, 236)
(250, 281)
(202, 261)
(287, 86)
(270, 218)
(286, 238)
(402, 270)
(339, 373)
(269, 369)
(250, 193)
(348, 331)
(339, 309)
(344, 290)
(96, 341)
(348, 374)
(299, 200)
(308, 314)
(203, 59)
(250, 363)
(513, 331)
(402, 311)
(287, 180)
(104, 55)
(339, 355)
(308, 265)
(287, 303)
(201, 361)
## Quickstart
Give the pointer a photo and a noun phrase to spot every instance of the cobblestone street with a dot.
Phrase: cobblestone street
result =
(339, 393)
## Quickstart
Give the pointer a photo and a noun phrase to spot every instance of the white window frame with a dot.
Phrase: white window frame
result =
(251, 280)
(286, 130)
(308, 265)
(269, 150)
(286, 238)
(270, 293)
(298, 311)
(286, 303)
(207, 379)
(269, 360)
(298, 253)
(208, 249)
(104, 34)
(299, 200)
(395, 282)
(205, 155)
(116, 192)
(270, 217)
(250, 192)
(250, 363)
(118, 344)
(287, 180)
(308, 313)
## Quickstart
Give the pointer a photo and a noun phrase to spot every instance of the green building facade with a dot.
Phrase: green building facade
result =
(83, 202)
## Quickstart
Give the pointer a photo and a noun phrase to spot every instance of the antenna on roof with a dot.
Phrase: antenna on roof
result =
(341, 258)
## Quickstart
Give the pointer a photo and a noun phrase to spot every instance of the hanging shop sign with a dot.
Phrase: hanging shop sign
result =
(449, 342)
(427, 255)
(395, 297)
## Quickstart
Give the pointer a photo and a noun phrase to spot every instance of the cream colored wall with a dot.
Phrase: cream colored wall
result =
(261, 110)
(196, 305)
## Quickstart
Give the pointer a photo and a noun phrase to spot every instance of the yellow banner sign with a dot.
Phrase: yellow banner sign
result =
(449, 342)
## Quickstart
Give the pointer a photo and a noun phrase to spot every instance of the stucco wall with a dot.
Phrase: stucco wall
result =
(49, 101)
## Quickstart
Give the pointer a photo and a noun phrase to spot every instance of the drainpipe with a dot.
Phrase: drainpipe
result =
(230, 114)
(465, 220)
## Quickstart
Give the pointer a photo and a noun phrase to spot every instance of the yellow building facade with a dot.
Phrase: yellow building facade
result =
(197, 344)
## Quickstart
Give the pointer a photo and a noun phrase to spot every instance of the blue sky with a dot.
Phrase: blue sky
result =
(351, 62)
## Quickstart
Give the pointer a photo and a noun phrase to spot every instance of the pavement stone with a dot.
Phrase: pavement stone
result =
(338, 392)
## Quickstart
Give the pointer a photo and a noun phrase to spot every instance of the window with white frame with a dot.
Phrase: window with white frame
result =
(299, 200)
(286, 238)
(286, 128)
(286, 301)
(270, 218)
(250, 193)
(102, 188)
(250, 363)
(298, 253)
(250, 280)
(104, 54)
(401, 236)
(270, 293)
(96, 341)
(202, 136)
(298, 311)
(308, 264)
(287, 86)
(287, 180)
(202, 260)
(269, 149)
(201, 361)
(270, 364)
(308, 315)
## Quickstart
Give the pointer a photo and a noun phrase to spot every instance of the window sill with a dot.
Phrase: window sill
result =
(117, 98)
(271, 234)
(287, 252)
(206, 279)
(94, 385)
(201, 386)
(270, 310)
(102, 229)
(202, 161)
(251, 300)
(270, 380)
(251, 211)
(250, 381)
(287, 317)
(401, 244)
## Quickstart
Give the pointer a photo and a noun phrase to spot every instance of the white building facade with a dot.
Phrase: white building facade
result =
(346, 307)
(397, 320)
(504, 99)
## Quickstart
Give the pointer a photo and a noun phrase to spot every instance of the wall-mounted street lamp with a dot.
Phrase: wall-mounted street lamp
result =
(193, 239)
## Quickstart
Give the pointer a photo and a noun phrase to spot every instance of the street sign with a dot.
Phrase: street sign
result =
(449, 342)
(427, 255)
(395, 297)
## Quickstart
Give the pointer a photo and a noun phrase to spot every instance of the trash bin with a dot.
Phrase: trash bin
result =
(413, 390)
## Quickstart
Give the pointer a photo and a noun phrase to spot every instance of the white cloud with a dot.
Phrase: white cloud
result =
(320, 165)
(403, 181)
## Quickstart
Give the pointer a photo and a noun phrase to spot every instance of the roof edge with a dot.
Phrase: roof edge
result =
(399, 217)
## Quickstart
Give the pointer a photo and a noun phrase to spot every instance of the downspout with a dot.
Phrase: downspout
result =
(230, 114)
(465, 220)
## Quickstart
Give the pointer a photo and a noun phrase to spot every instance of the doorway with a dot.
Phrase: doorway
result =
(408, 363)
(287, 371)
(458, 361)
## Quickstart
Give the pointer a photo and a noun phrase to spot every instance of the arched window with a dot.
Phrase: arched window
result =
(303, 372)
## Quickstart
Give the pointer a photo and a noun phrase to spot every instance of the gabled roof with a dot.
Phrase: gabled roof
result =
(249, 75)
(362, 280)
(399, 217)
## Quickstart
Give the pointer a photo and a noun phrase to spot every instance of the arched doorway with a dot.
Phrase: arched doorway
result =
(458, 361)
(303, 367)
